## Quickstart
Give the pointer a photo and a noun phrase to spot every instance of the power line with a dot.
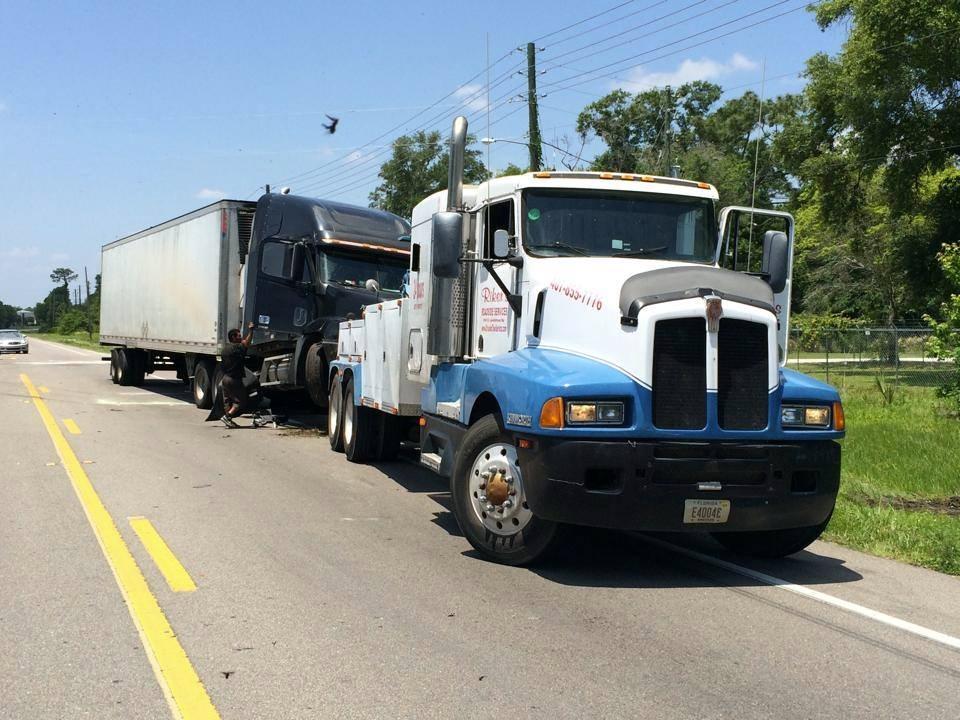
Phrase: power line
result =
(596, 74)
(313, 171)
(639, 27)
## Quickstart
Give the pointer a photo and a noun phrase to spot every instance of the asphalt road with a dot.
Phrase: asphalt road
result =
(325, 589)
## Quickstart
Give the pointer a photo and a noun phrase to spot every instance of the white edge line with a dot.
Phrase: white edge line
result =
(79, 351)
(875, 615)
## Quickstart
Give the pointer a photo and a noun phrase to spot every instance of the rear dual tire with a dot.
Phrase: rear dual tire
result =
(127, 367)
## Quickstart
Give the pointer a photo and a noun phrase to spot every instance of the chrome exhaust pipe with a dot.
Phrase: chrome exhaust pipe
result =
(458, 149)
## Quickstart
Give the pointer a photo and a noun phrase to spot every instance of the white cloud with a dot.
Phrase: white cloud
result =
(689, 70)
(20, 253)
(473, 96)
(354, 157)
(211, 194)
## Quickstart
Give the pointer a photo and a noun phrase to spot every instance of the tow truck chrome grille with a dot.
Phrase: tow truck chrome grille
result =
(742, 375)
(680, 374)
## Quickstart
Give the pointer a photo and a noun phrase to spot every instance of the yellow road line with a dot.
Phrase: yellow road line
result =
(180, 683)
(177, 576)
(71, 426)
(44, 390)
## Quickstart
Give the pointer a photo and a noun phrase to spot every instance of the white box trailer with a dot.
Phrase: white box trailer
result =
(174, 289)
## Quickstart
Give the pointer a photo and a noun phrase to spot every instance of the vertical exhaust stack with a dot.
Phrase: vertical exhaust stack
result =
(450, 279)
(458, 150)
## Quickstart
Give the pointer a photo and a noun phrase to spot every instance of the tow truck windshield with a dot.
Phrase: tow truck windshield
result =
(627, 224)
(354, 272)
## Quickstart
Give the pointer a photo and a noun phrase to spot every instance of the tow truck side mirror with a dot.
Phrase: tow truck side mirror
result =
(445, 245)
(501, 244)
(776, 258)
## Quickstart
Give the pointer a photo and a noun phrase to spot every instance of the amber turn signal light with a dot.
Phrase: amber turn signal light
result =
(551, 415)
(839, 421)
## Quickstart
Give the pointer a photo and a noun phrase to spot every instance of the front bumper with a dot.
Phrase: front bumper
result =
(13, 348)
(642, 485)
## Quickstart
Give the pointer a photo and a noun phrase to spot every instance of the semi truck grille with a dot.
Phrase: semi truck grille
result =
(742, 382)
(680, 374)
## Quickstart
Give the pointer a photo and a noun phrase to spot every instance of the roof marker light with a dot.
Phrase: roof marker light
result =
(704, 186)
(606, 176)
(541, 174)
(648, 178)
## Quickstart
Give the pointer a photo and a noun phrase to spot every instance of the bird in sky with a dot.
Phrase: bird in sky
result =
(332, 127)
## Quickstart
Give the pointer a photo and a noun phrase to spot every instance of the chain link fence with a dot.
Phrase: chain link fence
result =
(896, 353)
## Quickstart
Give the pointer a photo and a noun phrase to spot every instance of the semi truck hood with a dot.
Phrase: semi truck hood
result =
(604, 308)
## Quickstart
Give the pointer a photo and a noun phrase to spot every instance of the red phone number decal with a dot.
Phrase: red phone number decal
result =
(577, 295)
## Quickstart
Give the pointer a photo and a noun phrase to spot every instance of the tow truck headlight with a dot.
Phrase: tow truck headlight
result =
(814, 416)
(582, 412)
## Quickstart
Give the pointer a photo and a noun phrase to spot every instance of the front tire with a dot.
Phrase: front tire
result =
(489, 502)
(771, 543)
(335, 415)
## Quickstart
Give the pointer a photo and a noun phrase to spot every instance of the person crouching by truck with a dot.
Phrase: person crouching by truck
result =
(232, 364)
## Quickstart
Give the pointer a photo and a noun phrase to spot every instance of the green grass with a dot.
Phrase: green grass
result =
(909, 448)
(77, 339)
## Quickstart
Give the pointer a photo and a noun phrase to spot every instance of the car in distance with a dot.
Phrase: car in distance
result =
(13, 341)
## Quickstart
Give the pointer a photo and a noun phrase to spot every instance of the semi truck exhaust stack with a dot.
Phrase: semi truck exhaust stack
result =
(458, 148)
(448, 304)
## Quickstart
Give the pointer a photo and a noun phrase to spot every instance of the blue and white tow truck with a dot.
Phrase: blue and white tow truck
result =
(600, 349)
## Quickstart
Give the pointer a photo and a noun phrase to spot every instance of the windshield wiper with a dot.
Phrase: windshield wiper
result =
(638, 253)
(558, 246)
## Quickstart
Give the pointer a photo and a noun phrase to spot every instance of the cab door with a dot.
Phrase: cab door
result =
(746, 246)
(492, 319)
(282, 297)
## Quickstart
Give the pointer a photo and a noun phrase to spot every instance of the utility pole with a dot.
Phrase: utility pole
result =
(86, 280)
(667, 129)
(536, 151)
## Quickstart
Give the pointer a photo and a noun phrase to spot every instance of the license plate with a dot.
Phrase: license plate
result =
(706, 511)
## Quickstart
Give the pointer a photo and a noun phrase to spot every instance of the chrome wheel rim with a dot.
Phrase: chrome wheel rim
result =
(496, 490)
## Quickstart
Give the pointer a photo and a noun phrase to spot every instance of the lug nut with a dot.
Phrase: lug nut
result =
(483, 486)
(485, 475)
(507, 504)
(509, 481)
(489, 507)
(483, 498)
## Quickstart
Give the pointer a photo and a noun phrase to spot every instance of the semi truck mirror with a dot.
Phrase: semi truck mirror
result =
(501, 244)
(776, 259)
(445, 247)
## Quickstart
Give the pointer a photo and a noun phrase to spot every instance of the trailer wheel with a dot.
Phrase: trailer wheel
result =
(489, 502)
(114, 366)
(335, 415)
(203, 385)
(771, 543)
(125, 371)
(359, 429)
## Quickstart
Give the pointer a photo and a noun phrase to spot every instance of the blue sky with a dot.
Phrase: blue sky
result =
(115, 116)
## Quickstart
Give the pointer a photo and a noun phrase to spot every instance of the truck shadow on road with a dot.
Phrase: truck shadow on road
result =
(592, 557)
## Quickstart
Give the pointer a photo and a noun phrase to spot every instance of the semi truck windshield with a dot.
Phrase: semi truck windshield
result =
(605, 224)
(354, 272)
